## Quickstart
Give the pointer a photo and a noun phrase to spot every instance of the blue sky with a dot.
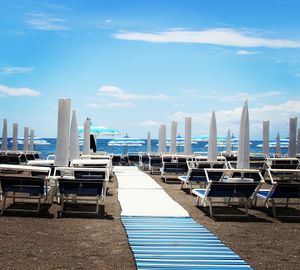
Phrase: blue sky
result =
(133, 65)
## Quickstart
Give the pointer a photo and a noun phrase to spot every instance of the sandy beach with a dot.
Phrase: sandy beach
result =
(43, 241)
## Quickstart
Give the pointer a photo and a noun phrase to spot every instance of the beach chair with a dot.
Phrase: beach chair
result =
(285, 186)
(169, 168)
(87, 190)
(133, 158)
(155, 163)
(232, 184)
(197, 174)
(22, 187)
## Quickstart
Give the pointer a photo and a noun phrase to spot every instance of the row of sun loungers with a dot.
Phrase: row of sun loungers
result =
(220, 180)
(84, 181)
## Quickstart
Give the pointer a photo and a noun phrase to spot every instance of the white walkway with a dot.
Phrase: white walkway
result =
(140, 195)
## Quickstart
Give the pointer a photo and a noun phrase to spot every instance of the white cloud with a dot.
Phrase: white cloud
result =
(92, 105)
(239, 96)
(120, 94)
(46, 22)
(214, 36)
(150, 123)
(278, 115)
(245, 52)
(16, 92)
(8, 70)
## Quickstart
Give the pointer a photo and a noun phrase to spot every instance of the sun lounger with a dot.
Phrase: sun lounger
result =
(155, 163)
(285, 185)
(169, 168)
(196, 173)
(22, 187)
(85, 190)
(232, 183)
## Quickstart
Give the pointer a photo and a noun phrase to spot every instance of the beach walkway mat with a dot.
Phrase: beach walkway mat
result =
(161, 233)
(177, 243)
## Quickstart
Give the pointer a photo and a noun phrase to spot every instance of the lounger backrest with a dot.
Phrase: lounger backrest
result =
(197, 175)
(220, 189)
(155, 161)
(218, 165)
(286, 190)
(249, 175)
(95, 175)
(214, 175)
(32, 185)
(80, 187)
(30, 157)
(134, 158)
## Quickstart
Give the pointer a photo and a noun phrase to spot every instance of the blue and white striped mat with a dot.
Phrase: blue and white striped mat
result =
(177, 243)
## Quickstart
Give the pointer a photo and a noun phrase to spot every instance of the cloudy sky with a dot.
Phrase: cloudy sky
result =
(133, 65)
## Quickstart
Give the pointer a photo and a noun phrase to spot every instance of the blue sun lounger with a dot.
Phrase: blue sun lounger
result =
(233, 183)
(22, 187)
(197, 174)
(285, 185)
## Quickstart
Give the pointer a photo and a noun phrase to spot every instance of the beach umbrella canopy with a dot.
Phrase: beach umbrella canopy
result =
(4, 136)
(278, 146)
(125, 142)
(173, 137)
(188, 136)
(212, 142)
(74, 140)
(100, 130)
(292, 141)
(243, 158)
(228, 143)
(63, 128)
(266, 128)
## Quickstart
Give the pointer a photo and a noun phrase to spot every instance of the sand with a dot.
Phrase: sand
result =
(43, 241)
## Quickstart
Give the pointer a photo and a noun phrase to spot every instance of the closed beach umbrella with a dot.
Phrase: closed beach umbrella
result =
(74, 140)
(212, 140)
(149, 142)
(15, 137)
(4, 136)
(278, 146)
(63, 128)
(228, 143)
(266, 128)
(159, 141)
(298, 142)
(243, 158)
(31, 140)
(173, 137)
(86, 137)
(188, 136)
(26, 134)
(163, 133)
(292, 141)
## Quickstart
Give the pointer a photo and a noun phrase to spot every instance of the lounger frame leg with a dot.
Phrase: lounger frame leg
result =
(3, 204)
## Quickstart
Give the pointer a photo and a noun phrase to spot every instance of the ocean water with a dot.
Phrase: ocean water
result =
(102, 145)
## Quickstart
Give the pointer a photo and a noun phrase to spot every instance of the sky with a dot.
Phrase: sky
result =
(134, 65)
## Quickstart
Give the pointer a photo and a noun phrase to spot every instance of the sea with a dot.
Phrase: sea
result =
(102, 145)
